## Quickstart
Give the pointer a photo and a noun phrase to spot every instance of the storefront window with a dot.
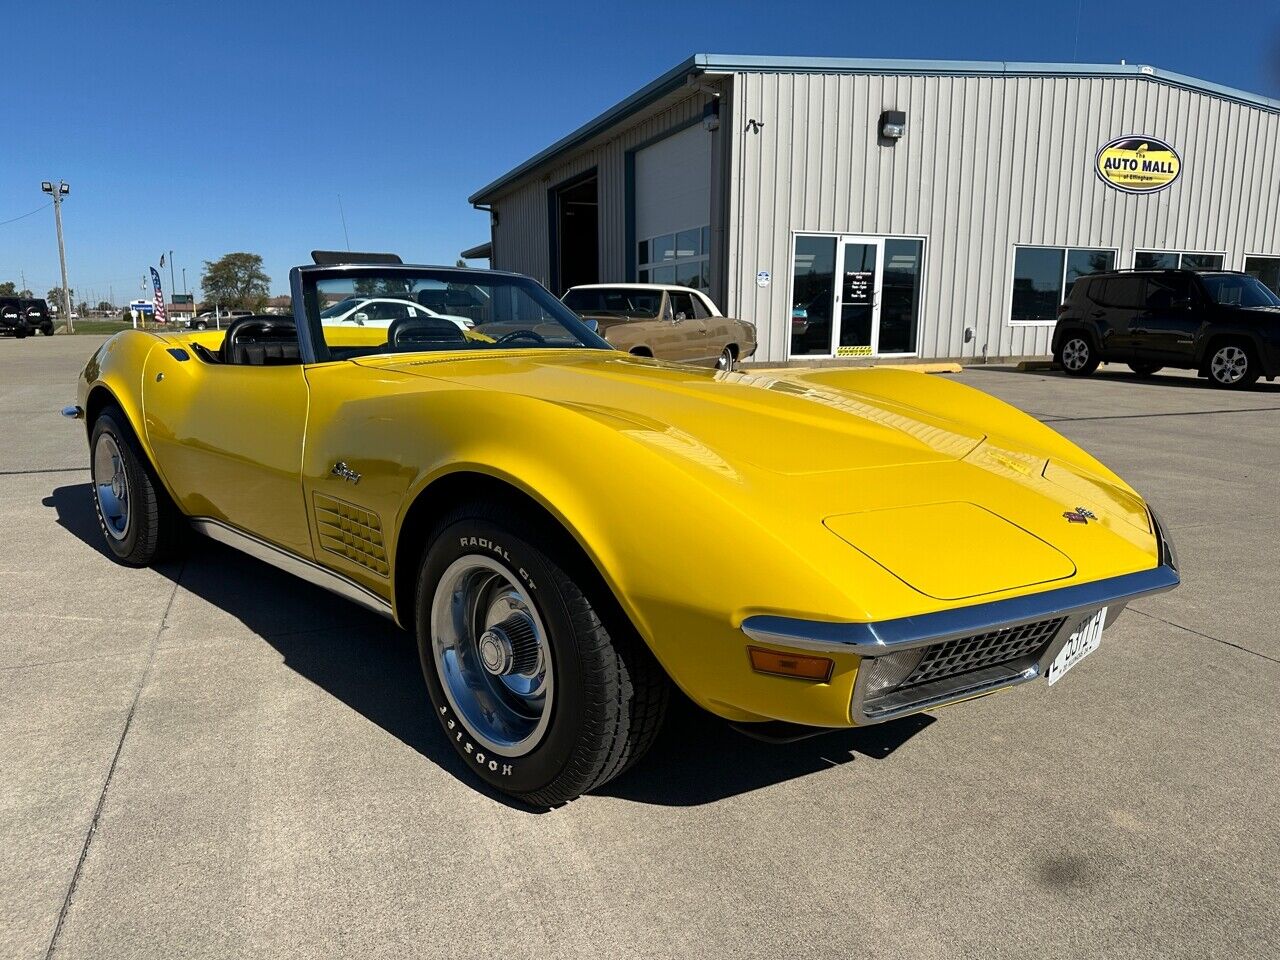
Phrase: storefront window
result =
(682, 258)
(1175, 260)
(813, 295)
(1266, 269)
(1043, 276)
(900, 299)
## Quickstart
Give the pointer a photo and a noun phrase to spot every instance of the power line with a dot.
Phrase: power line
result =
(25, 215)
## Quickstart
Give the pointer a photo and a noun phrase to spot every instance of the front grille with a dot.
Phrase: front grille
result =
(967, 654)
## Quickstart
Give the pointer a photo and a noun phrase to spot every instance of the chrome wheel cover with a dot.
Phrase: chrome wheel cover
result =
(1075, 354)
(111, 486)
(1229, 364)
(725, 362)
(492, 655)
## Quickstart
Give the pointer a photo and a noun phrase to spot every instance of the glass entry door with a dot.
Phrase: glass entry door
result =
(858, 296)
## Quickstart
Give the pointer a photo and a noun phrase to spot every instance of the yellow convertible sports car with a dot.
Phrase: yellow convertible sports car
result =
(569, 529)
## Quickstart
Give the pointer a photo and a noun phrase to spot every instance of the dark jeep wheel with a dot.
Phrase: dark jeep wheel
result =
(535, 693)
(1145, 369)
(1076, 356)
(1232, 364)
(139, 522)
(20, 331)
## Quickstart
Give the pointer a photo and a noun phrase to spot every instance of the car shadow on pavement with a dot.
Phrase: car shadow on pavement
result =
(372, 666)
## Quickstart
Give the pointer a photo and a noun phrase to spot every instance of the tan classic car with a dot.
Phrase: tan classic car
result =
(666, 322)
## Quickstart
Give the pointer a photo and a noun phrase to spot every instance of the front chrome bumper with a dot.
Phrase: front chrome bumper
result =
(874, 641)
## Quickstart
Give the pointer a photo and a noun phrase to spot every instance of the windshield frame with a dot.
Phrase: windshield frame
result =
(312, 347)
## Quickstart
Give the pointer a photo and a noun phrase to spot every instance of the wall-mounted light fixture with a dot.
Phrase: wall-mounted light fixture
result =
(893, 124)
(711, 116)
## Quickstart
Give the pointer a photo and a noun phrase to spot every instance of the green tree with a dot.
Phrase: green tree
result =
(26, 293)
(104, 306)
(54, 298)
(236, 281)
(8, 289)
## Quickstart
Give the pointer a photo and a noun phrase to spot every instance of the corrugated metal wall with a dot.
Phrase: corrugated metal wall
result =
(521, 238)
(987, 163)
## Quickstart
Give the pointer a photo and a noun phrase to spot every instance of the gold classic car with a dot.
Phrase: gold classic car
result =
(570, 530)
(667, 322)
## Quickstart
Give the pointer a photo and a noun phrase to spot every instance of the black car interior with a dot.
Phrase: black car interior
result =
(424, 333)
(260, 341)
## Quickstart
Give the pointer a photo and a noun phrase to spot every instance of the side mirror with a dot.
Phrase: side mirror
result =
(1183, 303)
(591, 324)
(360, 318)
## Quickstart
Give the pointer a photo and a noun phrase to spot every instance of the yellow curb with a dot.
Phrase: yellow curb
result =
(941, 367)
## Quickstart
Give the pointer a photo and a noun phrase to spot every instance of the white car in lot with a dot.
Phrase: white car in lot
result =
(381, 312)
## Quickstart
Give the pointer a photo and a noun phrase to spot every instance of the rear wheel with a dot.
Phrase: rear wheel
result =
(1232, 365)
(139, 522)
(726, 360)
(1145, 369)
(20, 331)
(1077, 356)
(536, 694)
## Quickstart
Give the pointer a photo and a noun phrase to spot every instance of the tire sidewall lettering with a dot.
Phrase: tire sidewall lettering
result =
(455, 727)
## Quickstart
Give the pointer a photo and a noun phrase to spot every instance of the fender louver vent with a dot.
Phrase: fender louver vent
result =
(352, 533)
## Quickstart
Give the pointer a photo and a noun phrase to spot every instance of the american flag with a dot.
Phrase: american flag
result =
(159, 296)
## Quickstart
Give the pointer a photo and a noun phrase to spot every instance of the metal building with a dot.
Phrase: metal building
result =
(933, 209)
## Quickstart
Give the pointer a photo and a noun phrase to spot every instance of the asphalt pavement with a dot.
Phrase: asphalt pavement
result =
(212, 759)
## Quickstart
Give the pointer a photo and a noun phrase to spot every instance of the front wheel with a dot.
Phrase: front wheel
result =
(20, 331)
(1077, 357)
(1145, 369)
(1233, 366)
(726, 360)
(138, 521)
(536, 694)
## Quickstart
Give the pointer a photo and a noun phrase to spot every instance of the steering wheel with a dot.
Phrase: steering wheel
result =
(520, 335)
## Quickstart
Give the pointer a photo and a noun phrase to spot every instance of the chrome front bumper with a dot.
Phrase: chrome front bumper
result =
(876, 641)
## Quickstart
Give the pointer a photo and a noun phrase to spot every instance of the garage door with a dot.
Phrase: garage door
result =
(673, 209)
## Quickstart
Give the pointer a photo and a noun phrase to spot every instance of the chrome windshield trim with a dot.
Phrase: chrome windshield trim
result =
(887, 636)
(291, 562)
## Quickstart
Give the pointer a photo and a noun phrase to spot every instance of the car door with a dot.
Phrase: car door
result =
(1118, 300)
(690, 330)
(228, 442)
(1167, 328)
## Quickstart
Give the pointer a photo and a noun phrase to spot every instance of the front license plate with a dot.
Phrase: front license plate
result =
(1082, 643)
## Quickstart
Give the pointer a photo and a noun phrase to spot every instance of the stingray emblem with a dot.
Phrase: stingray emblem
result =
(1079, 515)
(340, 469)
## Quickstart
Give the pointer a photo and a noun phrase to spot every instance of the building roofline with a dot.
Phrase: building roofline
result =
(715, 63)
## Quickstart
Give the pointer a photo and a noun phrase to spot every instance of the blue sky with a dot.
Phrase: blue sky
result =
(235, 126)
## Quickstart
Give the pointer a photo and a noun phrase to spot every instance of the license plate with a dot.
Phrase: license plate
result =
(1082, 643)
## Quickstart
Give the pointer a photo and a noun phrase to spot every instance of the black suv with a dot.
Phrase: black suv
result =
(21, 316)
(1225, 325)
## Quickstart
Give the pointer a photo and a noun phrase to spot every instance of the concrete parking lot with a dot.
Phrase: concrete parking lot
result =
(216, 760)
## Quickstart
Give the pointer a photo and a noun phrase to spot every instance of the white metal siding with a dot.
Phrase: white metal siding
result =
(987, 162)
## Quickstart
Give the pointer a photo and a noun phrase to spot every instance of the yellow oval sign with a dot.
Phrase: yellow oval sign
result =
(1138, 164)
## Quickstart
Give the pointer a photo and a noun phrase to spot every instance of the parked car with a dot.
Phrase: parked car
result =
(567, 529)
(206, 320)
(666, 322)
(382, 312)
(1224, 324)
(21, 316)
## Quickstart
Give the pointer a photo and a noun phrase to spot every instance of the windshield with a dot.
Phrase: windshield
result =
(339, 308)
(412, 310)
(614, 302)
(1234, 290)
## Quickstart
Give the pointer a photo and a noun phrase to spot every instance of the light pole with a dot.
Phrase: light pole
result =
(58, 191)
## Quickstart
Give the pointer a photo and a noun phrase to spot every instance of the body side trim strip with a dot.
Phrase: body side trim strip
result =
(290, 562)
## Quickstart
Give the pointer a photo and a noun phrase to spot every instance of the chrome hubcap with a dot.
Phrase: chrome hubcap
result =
(492, 655)
(111, 486)
(725, 362)
(1229, 365)
(1075, 354)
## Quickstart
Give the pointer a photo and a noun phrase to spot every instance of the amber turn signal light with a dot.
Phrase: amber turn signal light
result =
(790, 664)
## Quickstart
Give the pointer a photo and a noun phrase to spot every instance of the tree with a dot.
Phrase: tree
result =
(460, 262)
(105, 307)
(236, 281)
(8, 289)
(54, 298)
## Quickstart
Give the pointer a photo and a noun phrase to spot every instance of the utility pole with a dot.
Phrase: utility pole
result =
(58, 191)
(172, 288)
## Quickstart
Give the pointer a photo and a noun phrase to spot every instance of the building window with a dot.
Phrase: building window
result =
(1176, 260)
(681, 258)
(1043, 278)
(1266, 269)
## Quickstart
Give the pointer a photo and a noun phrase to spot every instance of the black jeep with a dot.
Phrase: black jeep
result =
(1226, 325)
(21, 316)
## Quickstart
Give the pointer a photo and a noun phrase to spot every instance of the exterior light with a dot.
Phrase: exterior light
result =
(64, 189)
(46, 186)
(711, 116)
(893, 124)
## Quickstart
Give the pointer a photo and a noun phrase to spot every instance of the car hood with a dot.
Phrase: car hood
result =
(773, 423)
